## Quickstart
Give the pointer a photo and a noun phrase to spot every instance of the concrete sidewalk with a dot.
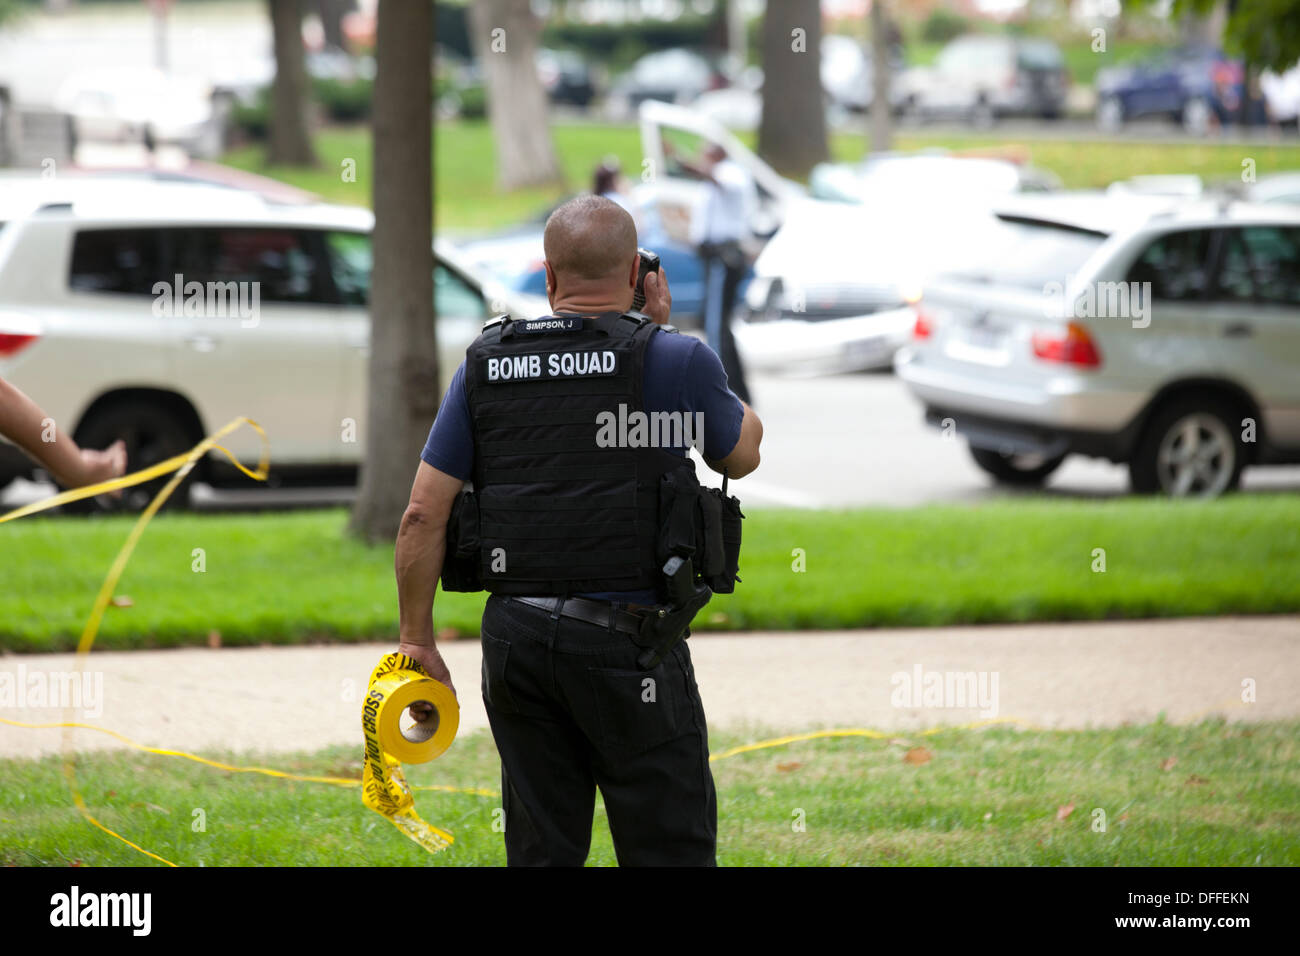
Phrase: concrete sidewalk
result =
(279, 699)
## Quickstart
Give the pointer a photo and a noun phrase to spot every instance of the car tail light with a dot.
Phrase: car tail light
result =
(1074, 347)
(923, 328)
(11, 343)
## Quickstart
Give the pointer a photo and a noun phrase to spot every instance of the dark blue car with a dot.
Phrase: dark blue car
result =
(1191, 85)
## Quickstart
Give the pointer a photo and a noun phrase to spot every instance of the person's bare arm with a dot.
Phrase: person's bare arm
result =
(23, 423)
(421, 544)
(695, 168)
(744, 457)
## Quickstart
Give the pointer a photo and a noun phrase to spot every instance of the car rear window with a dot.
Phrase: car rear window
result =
(1027, 255)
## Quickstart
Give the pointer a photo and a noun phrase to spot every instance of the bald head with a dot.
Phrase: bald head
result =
(590, 238)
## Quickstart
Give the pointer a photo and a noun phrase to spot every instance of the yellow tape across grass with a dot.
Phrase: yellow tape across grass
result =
(396, 683)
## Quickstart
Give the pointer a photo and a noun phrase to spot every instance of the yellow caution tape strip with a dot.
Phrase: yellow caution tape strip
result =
(232, 768)
(398, 682)
(181, 465)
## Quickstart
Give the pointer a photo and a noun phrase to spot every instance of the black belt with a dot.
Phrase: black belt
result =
(599, 613)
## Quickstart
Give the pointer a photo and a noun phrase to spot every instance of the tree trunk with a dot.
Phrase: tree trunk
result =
(290, 143)
(504, 36)
(792, 132)
(882, 122)
(403, 388)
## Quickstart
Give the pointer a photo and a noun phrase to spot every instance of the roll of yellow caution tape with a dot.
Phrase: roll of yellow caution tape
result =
(397, 682)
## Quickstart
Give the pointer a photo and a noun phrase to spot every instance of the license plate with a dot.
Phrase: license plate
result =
(984, 337)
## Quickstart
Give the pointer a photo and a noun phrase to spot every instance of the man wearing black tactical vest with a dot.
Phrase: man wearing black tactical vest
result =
(597, 544)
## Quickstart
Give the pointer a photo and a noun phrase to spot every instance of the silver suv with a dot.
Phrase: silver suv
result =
(1143, 330)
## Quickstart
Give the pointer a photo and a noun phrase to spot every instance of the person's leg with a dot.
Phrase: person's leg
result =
(651, 758)
(729, 354)
(714, 289)
(547, 788)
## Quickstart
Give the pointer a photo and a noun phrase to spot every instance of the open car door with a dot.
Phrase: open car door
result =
(676, 194)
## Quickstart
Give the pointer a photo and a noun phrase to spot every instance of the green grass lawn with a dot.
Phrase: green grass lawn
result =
(295, 577)
(466, 197)
(991, 797)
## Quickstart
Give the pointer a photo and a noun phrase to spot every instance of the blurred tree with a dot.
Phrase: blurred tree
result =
(882, 120)
(1265, 32)
(403, 387)
(792, 131)
(290, 143)
(504, 36)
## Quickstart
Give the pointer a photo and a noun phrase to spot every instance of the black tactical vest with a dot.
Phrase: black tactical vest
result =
(560, 508)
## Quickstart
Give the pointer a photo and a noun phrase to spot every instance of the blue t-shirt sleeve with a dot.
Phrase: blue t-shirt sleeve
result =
(450, 447)
(704, 389)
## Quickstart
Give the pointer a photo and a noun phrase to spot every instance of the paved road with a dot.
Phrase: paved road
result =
(1053, 675)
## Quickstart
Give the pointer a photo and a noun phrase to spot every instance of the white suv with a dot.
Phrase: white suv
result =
(280, 335)
(1138, 329)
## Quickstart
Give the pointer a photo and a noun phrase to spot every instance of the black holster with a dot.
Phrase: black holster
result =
(462, 568)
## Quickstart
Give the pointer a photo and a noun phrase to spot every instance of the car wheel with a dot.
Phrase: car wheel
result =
(1110, 115)
(1016, 469)
(1188, 450)
(152, 432)
(981, 115)
(1196, 116)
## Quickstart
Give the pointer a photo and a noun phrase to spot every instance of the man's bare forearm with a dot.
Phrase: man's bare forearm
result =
(421, 544)
(23, 423)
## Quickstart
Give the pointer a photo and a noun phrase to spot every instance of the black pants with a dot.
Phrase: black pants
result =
(570, 712)
(724, 267)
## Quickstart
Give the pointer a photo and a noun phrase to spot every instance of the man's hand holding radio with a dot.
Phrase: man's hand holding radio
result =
(658, 300)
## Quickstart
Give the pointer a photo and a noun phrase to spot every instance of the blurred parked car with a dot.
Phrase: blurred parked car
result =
(128, 104)
(85, 323)
(566, 77)
(848, 77)
(1145, 330)
(926, 175)
(832, 289)
(1193, 86)
(668, 76)
(1280, 187)
(980, 78)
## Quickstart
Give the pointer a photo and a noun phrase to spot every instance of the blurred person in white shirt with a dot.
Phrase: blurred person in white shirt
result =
(719, 227)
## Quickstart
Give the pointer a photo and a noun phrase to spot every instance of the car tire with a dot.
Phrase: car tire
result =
(1022, 471)
(153, 432)
(982, 116)
(1110, 115)
(1189, 449)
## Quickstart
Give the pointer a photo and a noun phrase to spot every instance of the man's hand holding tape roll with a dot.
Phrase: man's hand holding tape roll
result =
(421, 543)
(428, 657)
